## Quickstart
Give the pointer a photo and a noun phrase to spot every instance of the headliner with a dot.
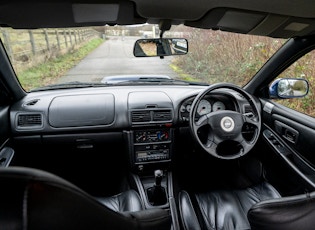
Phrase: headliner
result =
(281, 18)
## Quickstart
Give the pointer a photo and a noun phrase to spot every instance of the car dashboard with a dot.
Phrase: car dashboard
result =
(145, 116)
(83, 132)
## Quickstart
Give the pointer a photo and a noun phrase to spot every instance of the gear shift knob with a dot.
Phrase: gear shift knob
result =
(157, 194)
(158, 174)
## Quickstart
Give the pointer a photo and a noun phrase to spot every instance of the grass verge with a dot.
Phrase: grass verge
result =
(48, 72)
(181, 73)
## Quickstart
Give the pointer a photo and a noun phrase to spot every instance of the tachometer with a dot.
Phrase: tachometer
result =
(204, 107)
(182, 109)
(218, 105)
(188, 107)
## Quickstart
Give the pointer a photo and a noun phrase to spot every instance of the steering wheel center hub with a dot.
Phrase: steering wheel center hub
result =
(227, 124)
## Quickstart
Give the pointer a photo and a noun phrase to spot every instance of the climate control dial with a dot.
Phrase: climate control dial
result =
(150, 136)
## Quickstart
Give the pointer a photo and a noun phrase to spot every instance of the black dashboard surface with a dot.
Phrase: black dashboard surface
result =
(110, 108)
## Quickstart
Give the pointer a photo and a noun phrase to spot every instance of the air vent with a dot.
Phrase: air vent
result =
(29, 120)
(31, 103)
(248, 111)
(162, 115)
(140, 116)
(151, 116)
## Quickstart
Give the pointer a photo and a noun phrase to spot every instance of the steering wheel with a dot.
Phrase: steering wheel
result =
(225, 127)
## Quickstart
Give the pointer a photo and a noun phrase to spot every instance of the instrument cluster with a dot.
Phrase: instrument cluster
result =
(207, 105)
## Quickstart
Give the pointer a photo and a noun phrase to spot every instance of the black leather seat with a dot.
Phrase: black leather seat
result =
(286, 213)
(127, 201)
(224, 208)
(35, 199)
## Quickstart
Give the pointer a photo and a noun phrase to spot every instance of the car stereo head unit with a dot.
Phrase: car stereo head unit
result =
(155, 152)
(152, 145)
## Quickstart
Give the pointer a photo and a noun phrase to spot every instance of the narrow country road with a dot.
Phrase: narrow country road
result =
(115, 57)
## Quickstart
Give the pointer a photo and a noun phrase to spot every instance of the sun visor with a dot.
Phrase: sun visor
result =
(239, 21)
(229, 20)
(83, 13)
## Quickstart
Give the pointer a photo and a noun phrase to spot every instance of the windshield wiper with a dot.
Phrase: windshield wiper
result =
(151, 81)
(68, 85)
(160, 81)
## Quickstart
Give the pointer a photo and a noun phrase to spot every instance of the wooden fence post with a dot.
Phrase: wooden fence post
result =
(6, 38)
(47, 40)
(58, 41)
(32, 42)
(75, 36)
(70, 35)
(65, 36)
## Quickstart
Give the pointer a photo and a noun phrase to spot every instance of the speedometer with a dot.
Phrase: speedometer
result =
(218, 105)
(204, 107)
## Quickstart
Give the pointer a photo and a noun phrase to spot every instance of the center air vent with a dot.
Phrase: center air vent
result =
(140, 116)
(29, 120)
(151, 116)
(162, 115)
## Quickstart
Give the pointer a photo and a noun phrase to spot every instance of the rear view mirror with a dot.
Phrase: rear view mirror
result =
(288, 88)
(153, 47)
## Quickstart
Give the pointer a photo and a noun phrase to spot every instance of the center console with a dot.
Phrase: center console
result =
(150, 156)
(151, 146)
(150, 152)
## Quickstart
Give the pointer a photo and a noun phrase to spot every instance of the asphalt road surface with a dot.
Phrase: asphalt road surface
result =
(115, 57)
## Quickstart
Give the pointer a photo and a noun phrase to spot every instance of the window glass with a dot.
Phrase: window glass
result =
(46, 57)
(302, 68)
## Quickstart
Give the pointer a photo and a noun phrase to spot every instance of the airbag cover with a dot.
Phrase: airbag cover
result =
(82, 110)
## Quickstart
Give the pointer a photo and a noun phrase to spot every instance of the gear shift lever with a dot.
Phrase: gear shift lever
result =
(158, 174)
(157, 194)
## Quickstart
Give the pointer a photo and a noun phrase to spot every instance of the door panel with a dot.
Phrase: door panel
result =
(292, 136)
(6, 152)
(4, 124)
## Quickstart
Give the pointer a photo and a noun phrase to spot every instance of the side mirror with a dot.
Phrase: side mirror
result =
(160, 47)
(288, 88)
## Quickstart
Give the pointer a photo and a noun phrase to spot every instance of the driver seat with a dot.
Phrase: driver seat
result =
(224, 208)
(35, 199)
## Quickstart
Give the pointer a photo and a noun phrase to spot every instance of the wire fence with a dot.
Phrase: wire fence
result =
(24, 46)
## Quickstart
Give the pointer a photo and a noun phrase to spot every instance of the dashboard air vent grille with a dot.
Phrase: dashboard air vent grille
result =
(151, 116)
(162, 115)
(140, 116)
(248, 111)
(26, 120)
(32, 102)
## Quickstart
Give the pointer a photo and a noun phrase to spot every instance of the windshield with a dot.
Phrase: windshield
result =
(94, 56)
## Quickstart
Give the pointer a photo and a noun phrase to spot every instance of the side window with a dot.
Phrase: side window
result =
(302, 68)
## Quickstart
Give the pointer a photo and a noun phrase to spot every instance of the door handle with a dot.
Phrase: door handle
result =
(291, 135)
(287, 132)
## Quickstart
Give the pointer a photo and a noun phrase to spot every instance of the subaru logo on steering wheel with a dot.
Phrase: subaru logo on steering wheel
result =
(227, 124)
